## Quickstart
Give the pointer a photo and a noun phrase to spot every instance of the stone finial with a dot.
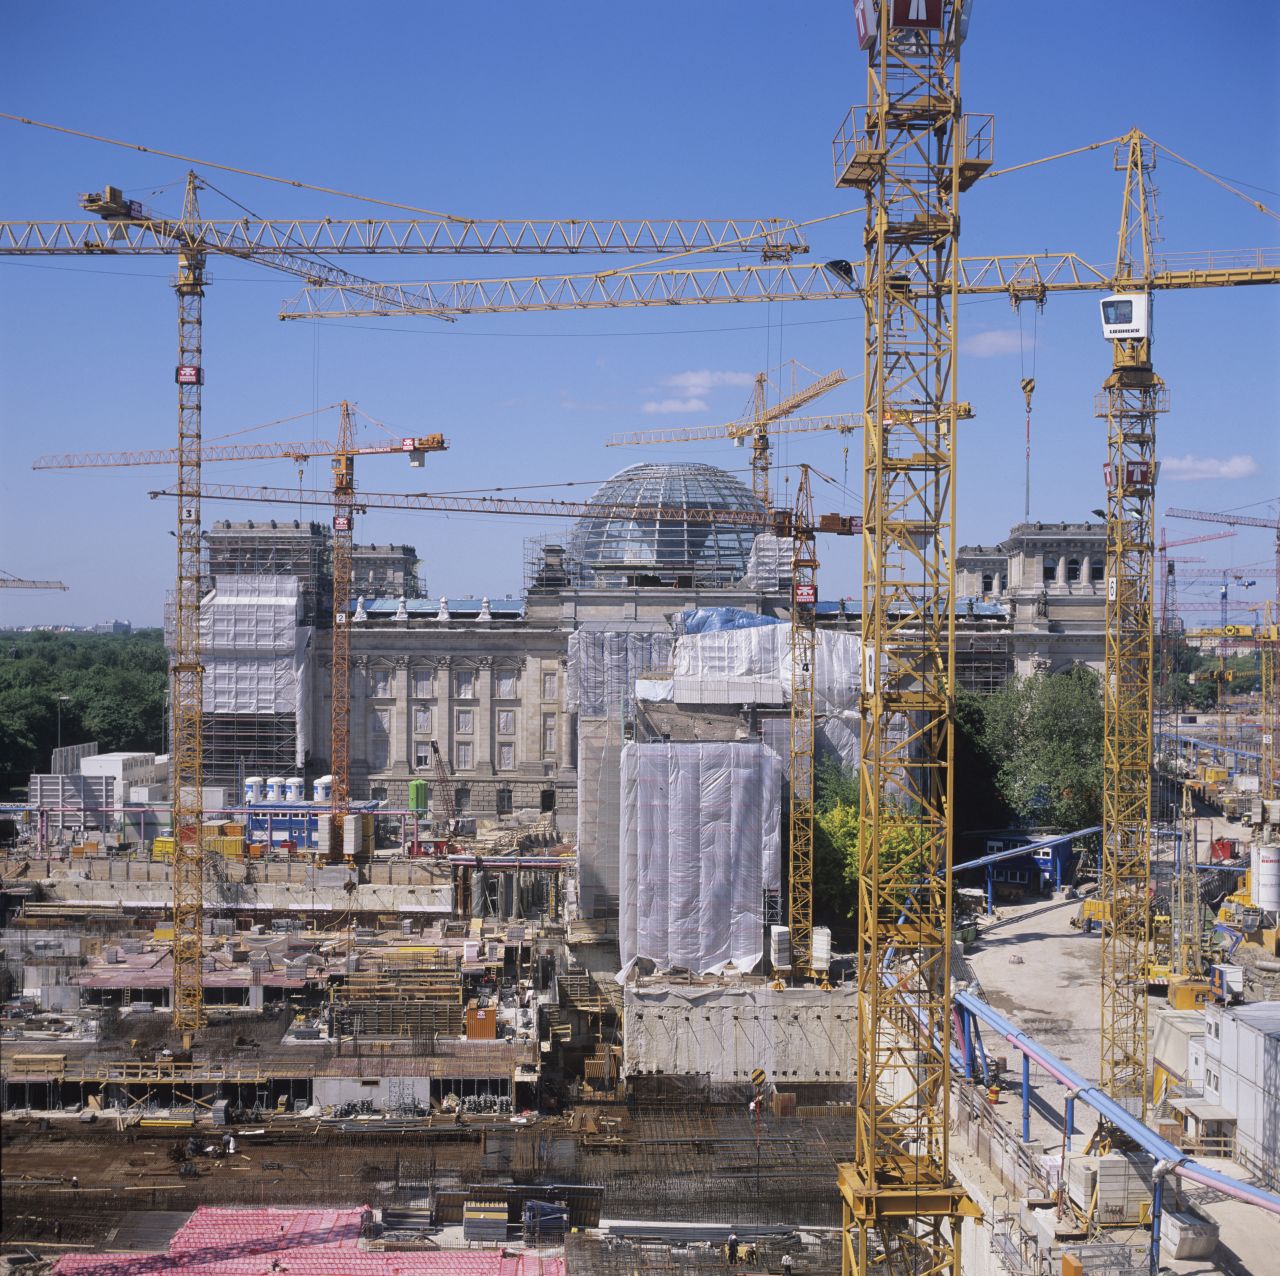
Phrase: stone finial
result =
(442, 612)
(485, 613)
(361, 614)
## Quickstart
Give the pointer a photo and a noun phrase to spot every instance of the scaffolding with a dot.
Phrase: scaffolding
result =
(273, 548)
(984, 662)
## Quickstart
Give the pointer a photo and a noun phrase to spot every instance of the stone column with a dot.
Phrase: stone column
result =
(402, 722)
(484, 760)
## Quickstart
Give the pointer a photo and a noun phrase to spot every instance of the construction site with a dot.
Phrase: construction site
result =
(508, 935)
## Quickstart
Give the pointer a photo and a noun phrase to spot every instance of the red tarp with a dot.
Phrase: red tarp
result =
(231, 1242)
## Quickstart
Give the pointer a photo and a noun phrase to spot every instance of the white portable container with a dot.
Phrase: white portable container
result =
(275, 788)
(295, 790)
(253, 789)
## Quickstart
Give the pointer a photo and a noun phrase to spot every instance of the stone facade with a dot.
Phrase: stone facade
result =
(1051, 579)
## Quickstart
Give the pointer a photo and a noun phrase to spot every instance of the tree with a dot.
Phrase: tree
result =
(835, 830)
(1045, 735)
(114, 687)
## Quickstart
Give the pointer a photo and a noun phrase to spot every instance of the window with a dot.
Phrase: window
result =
(506, 757)
(462, 799)
(378, 792)
(504, 802)
(548, 801)
(462, 755)
(1050, 569)
(422, 679)
(1115, 311)
(379, 739)
(464, 721)
(506, 722)
(987, 582)
(422, 718)
(548, 734)
(1073, 570)
(464, 684)
(549, 686)
(421, 754)
(506, 680)
(1097, 569)
(380, 682)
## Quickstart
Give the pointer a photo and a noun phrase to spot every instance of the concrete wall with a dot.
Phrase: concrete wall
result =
(797, 1035)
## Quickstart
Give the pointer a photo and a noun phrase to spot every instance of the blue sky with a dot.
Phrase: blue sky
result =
(584, 110)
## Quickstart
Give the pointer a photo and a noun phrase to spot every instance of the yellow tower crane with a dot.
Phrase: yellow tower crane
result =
(343, 453)
(126, 228)
(911, 152)
(1132, 397)
(804, 658)
(759, 422)
(1269, 690)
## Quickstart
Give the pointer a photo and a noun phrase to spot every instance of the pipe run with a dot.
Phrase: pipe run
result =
(1107, 1107)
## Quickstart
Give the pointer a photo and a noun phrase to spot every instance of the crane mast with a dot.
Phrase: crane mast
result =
(1131, 399)
(186, 668)
(340, 655)
(1269, 689)
(912, 153)
(804, 640)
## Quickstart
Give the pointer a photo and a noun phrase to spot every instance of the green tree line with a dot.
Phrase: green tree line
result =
(114, 688)
(1028, 755)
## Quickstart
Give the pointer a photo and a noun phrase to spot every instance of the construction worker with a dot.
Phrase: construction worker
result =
(733, 1248)
(786, 1265)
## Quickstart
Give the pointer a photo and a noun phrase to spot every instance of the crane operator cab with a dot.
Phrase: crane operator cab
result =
(1126, 316)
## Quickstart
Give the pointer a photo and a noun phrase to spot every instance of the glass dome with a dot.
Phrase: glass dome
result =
(614, 549)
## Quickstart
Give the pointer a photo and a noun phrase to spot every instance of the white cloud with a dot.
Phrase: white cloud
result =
(701, 380)
(1180, 468)
(674, 405)
(989, 345)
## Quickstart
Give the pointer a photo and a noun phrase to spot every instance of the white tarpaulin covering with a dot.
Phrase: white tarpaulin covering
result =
(736, 661)
(604, 665)
(769, 563)
(700, 845)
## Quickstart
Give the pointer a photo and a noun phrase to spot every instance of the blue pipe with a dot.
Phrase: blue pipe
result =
(1108, 1108)
(1026, 849)
(1070, 1116)
(1157, 1209)
(1026, 1098)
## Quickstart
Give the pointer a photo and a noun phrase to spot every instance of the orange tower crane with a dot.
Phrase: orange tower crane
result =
(123, 227)
(344, 453)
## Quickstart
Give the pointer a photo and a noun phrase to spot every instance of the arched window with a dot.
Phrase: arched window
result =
(1097, 569)
(1073, 570)
(987, 582)
(1050, 575)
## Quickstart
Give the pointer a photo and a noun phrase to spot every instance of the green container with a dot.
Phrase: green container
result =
(418, 795)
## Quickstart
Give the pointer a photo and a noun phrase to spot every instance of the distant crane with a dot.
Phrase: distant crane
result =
(757, 424)
(1232, 520)
(9, 581)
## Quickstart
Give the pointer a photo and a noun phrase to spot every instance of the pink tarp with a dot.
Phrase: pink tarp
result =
(230, 1242)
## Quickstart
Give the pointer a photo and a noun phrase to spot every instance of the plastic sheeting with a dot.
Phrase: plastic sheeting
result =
(769, 563)
(700, 845)
(712, 665)
(604, 665)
